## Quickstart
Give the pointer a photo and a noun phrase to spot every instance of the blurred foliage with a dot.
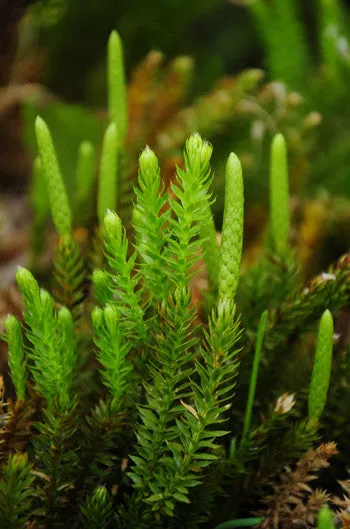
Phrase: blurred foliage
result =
(321, 72)
(304, 45)
(242, 111)
(198, 84)
(174, 27)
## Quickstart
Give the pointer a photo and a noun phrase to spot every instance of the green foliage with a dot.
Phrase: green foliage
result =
(16, 360)
(306, 305)
(155, 412)
(138, 426)
(102, 287)
(54, 447)
(278, 21)
(124, 282)
(189, 201)
(292, 56)
(243, 522)
(97, 510)
(149, 223)
(170, 373)
(69, 275)
(330, 23)
(15, 491)
(113, 351)
(53, 355)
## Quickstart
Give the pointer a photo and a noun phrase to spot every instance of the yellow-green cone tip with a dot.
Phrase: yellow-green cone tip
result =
(232, 229)
(279, 195)
(322, 368)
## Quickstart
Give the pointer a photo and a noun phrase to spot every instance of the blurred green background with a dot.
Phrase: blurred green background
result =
(57, 50)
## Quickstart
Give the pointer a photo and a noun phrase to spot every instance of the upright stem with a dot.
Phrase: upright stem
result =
(254, 377)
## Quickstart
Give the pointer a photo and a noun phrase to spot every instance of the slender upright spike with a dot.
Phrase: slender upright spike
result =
(107, 190)
(116, 86)
(232, 229)
(322, 369)
(59, 204)
(279, 196)
(254, 376)
(85, 176)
